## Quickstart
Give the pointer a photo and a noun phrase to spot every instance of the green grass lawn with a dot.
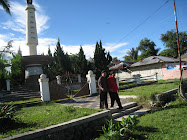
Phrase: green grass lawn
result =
(40, 116)
(32, 100)
(169, 124)
(148, 90)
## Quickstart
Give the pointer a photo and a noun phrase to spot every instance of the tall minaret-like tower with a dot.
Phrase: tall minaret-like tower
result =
(33, 63)
(31, 32)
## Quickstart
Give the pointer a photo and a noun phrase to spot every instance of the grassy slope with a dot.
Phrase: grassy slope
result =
(170, 123)
(31, 118)
(154, 88)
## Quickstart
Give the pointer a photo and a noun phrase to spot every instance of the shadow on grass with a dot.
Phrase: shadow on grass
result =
(180, 105)
(7, 125)
(141, 132)
(146, 129)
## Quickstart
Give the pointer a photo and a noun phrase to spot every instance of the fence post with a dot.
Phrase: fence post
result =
(91, 81)
(156, 77)
(44, 88)
(137, 78)
(58, 78)
(8, 85)
(117, 80)
(79, 78)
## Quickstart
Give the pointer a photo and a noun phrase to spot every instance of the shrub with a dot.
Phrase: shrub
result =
(7, 111)
(120, 130)
(70, 108)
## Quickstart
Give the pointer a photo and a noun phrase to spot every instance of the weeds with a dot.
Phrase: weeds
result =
(120, 130)
(70, 108)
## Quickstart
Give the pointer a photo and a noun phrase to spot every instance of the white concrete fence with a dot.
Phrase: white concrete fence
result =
(44, 88)
(91, 81)
(138, 79)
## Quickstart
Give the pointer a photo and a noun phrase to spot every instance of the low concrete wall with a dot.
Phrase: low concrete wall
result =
(84, 128)
(166, 96)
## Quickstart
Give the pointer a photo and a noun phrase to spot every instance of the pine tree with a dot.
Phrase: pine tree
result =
(101, 59)
(50, 69)
(82, 62)
(62, 60)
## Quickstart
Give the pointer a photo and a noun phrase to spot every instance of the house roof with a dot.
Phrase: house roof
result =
(120, 65)
(126, 62)
(153, 60)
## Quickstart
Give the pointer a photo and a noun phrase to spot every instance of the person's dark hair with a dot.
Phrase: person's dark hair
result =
(112, 72)
(103, 71)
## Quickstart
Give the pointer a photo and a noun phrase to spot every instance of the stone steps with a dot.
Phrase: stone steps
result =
(131, 108)
(21, 93)
(138, 113)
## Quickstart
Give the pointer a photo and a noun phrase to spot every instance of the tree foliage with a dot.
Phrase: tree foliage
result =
(101, 59)
(62, 60)
(50, 69)
(132, 55)
(115, 59)
(17, 69)
(147, 48)
(5, 54)
(82, 62)
(169, 39)
(6, 6)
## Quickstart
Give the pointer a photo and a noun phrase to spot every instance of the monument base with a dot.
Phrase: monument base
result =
(32, 73)
(33, 68)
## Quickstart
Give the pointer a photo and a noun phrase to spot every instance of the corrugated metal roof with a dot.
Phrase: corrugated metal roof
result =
(153, 60)
(119, 66)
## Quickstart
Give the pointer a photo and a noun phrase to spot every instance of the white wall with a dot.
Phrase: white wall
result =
(147, 70)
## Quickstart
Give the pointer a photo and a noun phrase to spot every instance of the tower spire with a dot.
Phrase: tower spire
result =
(31, 32)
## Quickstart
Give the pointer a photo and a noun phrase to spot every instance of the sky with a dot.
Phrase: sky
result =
(84, 22)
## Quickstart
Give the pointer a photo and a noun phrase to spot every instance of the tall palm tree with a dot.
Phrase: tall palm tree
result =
(133, 53)
(6, 6)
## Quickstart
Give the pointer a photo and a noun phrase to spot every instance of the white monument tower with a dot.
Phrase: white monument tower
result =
(33, 63)
(31, 31)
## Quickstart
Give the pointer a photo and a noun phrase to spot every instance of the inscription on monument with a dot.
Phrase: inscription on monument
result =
(37, 70)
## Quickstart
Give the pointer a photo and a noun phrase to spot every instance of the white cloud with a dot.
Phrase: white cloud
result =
(1, 8)
(18, 24)
(18, 20)
(113, 47)
(3, 37)
(124, 51)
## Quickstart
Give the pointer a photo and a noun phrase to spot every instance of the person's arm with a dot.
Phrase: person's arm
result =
(100, 85)
(110, 85)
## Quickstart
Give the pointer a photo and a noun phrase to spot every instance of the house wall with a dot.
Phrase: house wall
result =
(162, 70)
(173, 73)
(146, 70)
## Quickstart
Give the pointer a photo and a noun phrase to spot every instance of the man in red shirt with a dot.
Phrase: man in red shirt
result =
(113, 90)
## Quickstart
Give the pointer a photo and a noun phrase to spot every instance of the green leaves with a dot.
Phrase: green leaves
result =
(147, 48)
(169, 39)
(101, 59)
(7, 111)
(6, 6)
(121, 129)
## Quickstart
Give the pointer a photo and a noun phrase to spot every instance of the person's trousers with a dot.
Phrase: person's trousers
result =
(103, 99)
(115, 97)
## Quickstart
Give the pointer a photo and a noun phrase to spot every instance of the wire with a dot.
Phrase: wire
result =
(141, 23)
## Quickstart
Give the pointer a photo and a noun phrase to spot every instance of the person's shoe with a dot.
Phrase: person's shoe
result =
(120, 108)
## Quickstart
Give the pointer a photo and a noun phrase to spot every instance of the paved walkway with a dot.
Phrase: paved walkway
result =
(89, 102)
